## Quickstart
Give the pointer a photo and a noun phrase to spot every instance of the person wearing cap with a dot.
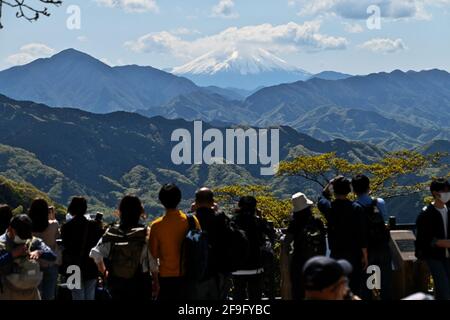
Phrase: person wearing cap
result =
(248, 280)
(215, 285)
(327, 279)
(309, 239)
(347, 229)
(16, 244)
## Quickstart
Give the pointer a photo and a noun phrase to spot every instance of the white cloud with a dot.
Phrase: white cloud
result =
(357, 9)
(138, 6)
(290, 37)
(225, 9)
(30, 52)
(384, 45)
(353, 27)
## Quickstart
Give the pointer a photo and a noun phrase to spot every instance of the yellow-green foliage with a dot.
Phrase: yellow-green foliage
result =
(19, 196)
(384, 174)
(271, 207)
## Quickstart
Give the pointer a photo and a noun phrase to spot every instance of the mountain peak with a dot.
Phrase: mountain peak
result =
(246, 67)
(243, 61)
(71, 55)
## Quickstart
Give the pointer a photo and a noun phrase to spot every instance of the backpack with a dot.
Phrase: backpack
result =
(126, 250)
(237, 248)
(194, 255)
(378, 234)
(313, 241)
(26, 273)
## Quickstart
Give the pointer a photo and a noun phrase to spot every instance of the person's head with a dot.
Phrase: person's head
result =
(247, 204)
(130, 211)
(361, 184)
(326, 278)
(170, 196)
(20, 229)
(301, 203)
(5, 217)
(38, 214)
(77, 207)
(341, 187)
(204, 198)
(440, 189)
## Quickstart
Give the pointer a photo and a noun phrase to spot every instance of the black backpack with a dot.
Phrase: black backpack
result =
(378, 234)
(236, 252)
(313, 241)
(194, 255)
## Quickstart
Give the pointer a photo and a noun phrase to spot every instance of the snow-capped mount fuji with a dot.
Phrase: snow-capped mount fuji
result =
(240, 68)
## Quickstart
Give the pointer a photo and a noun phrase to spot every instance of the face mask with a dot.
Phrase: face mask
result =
(18, 240)
(445, 197)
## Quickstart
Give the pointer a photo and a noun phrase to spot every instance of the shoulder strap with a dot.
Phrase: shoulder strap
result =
(191, 222)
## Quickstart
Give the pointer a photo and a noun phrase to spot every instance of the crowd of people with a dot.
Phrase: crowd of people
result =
(209, 254)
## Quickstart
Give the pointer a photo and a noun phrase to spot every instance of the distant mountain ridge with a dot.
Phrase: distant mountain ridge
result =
(393, 110)
(74, 79)
(68, 151)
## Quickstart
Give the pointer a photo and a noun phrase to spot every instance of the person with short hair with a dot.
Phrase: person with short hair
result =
(378, 250)
(433, 237)
(327, 279)
(78, 236)
(48, 231)
(347, 229)
(247, 281)
(215, 224)
(167, 234)
(129, 267)
(19, 253)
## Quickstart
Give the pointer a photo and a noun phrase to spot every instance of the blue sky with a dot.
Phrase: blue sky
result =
(313, 35)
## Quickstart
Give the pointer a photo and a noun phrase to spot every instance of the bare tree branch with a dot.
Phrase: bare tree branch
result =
(27, 11)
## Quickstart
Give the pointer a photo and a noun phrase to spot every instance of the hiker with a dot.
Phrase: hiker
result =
(327, 279)
(378, 236)
(309, 240)
(433, 238)
(79, 235)
(20, 274)
(48, 231)
(124, 246)
(216, 284)
(347, 229)
(167, 234)
(5, 217)
(247, 281)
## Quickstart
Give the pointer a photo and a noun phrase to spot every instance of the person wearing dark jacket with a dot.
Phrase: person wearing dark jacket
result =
(347, 229)
(433, 238)
(78, 236)
(378, 251)
(309, 239)
(214, 224)
(247, 281)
